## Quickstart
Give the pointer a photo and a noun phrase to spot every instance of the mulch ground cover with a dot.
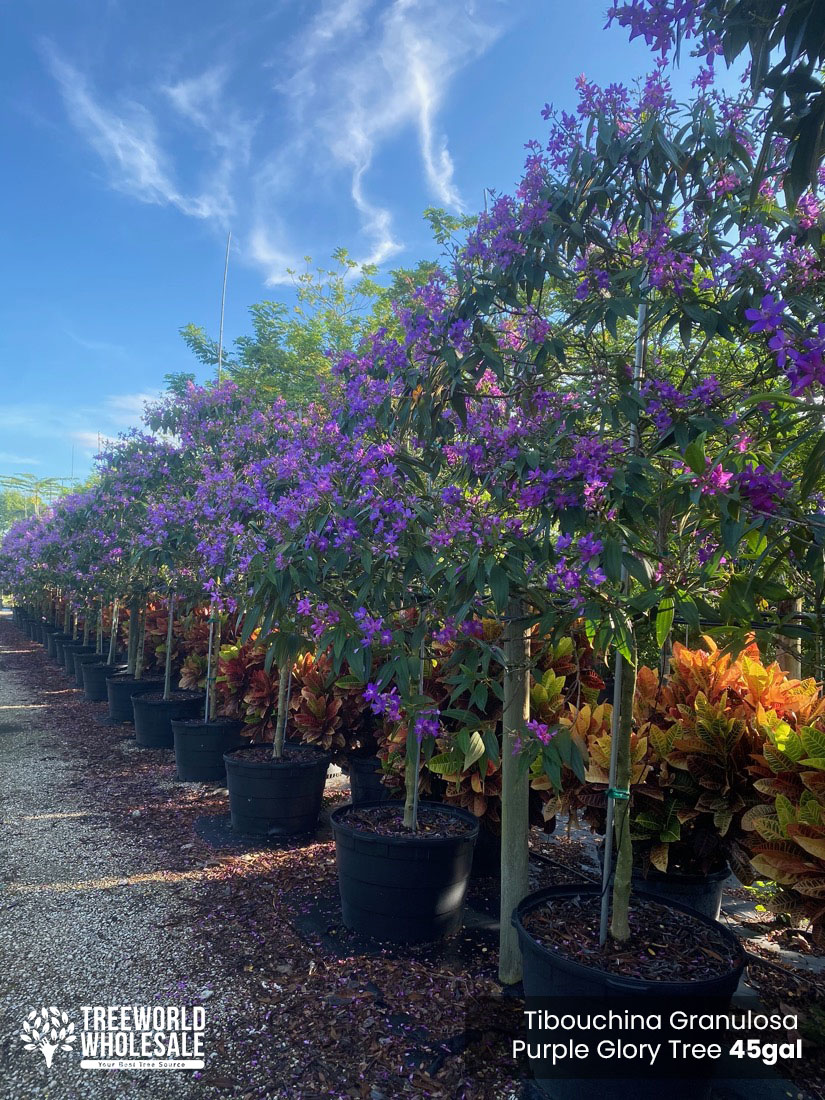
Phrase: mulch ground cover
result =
(320, 1012)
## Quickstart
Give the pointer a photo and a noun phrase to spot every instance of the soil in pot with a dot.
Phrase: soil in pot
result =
(154, 714)
(365, 780)
(95, 675)
(200, 747)
(275, 797)
(675, 958)
(398, 885)
(119, 691)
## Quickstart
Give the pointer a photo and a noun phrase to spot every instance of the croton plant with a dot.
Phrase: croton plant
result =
(728, 764)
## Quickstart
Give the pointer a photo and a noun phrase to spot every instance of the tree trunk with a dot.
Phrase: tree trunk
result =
(619, 926)
(167, 671)
(212, 686)
(515, 790)
(280, 721)
(141, 644)
(67, 618)
(789, 650)
(134, 630)
(113, 638)
(99, 638)
(87, 624)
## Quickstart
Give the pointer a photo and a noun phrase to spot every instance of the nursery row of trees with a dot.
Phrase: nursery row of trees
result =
(600, 419)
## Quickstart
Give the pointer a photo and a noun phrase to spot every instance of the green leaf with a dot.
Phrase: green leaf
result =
(611, 559)
(474, 751)
(499, 586)
(814, 469)
(695, 454)
(664, 620)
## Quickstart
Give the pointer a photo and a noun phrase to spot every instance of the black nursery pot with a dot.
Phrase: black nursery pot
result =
(404, 889)
(550, 974)
(154, 714)
(81, 659)
(119, 691)
(702, 893)
(49, 637)
(69, 650)
(276, 797)
(487, 854)
(95, 674)
(365, 780)
(200, 748)
(61, 640)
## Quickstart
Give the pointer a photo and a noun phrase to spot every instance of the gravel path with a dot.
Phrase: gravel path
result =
(85, 919)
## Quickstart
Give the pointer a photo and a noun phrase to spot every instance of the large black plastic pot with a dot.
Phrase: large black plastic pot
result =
(81, 659)
(51, 642)
(200, 748)
(154, 714)
(95, 674)
(276, 797)
(406, 889)
(487, 853)
(60, 641)
(703, 893)
(550, 974)
(365, 781)
(119, 691)
(69, 650)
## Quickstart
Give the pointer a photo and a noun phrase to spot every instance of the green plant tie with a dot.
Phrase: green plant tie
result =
(618, 794)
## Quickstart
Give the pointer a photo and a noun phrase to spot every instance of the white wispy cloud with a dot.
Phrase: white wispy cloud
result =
(126, 137)
(356, 76)
(19, 460)
(101, 347)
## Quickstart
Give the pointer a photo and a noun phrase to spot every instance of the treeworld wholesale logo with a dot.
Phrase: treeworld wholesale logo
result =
(48, 1030)
(121, 1036)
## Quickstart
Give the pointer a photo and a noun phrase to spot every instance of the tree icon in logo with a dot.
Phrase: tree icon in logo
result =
(47, 1030)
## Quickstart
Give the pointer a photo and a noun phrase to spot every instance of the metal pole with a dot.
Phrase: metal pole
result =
(223, 304)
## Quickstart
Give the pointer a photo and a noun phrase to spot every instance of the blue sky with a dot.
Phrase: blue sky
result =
(136, 134)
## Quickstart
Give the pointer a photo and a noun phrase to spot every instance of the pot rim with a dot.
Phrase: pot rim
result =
(339, 824)
(315, 756)
(192, 722)
(621, 982)
(166, 702)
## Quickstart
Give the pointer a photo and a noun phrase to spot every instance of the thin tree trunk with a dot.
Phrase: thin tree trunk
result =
(140, 645)
(619, 924)
(113, 638)
(87, 624)
(212, 686)
(67, 619)
(280, 722)
(789, 650)
(167, 671)
(134, 630)
(99, 638)
(515, 791)
(412, 766)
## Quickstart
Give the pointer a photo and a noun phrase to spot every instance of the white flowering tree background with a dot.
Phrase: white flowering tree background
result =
(48, 1030)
